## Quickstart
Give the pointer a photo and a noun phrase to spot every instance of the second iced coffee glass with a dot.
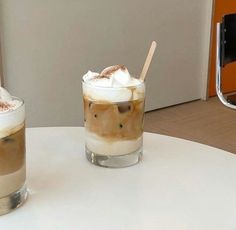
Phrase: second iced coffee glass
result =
(13, 190)
(114, 125)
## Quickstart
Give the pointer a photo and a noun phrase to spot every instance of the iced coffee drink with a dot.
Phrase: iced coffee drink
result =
(113, 113)
(12, 152)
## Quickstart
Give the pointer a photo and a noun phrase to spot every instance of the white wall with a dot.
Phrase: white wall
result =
(47, 45)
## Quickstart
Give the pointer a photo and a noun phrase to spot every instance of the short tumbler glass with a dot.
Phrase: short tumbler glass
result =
(12, 158)
(114, 126)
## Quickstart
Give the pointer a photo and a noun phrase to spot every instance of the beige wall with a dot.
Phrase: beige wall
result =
(48, 45)
(1, 72)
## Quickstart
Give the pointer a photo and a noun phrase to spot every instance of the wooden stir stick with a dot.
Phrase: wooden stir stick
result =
(148, 61)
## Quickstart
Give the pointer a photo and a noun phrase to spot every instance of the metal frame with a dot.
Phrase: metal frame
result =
(218, 70)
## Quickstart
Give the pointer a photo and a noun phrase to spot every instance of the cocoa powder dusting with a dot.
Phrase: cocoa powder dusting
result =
(102, 77)
(4, 106)
(110, 70)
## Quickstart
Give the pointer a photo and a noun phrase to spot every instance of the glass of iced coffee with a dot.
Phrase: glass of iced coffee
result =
(12, 152)
(113, 114)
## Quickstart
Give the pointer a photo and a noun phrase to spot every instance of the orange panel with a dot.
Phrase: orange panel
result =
(222, 7)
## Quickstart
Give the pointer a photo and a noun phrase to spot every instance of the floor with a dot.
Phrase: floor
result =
(207, 122)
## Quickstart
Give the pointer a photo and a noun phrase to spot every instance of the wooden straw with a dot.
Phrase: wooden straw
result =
(148, 61)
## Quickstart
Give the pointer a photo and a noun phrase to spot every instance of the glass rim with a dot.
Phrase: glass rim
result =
(141, 83)
(11, 111)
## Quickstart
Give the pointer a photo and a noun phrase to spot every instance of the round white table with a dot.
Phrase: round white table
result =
(179, 185)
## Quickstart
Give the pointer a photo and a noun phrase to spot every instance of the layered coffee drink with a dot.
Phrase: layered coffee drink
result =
(113, 112)
(12, 152)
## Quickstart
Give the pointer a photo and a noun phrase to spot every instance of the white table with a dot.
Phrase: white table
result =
(179, 185)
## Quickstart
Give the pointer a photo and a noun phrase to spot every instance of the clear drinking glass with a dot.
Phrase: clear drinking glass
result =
(12, 159)
(114, 128)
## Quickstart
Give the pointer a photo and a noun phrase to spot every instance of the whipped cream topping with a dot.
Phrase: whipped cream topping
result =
(7, 102)
(112, 76)
(12, 113)
(114, 84)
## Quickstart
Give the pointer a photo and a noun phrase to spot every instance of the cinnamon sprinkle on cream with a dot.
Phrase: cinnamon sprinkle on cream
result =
(4, 106)
(112, 69)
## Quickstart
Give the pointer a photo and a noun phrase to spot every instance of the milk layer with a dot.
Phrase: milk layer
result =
(103, 146)
(12, 182)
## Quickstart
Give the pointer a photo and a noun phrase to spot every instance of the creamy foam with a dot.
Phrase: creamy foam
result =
(7, 102)
(12, 113)
(113, 84)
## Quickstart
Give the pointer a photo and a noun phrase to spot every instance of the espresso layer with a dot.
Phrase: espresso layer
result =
(114, 121)
(12, 152)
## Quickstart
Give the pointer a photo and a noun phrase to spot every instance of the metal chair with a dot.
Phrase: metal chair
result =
(225, 52)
